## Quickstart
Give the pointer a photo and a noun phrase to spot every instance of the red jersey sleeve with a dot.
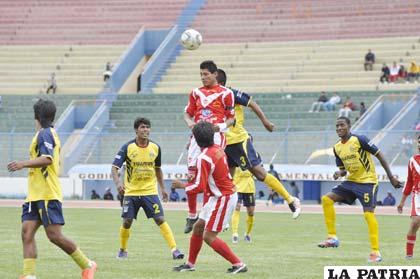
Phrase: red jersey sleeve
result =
(229, 101)
(408, 187)
(191, 106)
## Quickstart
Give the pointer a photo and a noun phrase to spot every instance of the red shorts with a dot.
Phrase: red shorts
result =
(218, 211)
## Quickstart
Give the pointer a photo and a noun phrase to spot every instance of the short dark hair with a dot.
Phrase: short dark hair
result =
(44, 112)
(209, 65)
(345, 119)
(141, 120)
(203, 133)
(221, 77)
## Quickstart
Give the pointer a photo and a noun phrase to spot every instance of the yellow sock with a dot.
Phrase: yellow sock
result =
(124, 236)
(329, 215)
(167, 234)
(249, 224)
(373, 231)
(80, 259)
(276, 185)
(28, 267)
(235, 221)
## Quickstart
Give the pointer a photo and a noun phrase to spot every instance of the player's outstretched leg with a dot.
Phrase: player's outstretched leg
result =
(373, 228)
(329, 215)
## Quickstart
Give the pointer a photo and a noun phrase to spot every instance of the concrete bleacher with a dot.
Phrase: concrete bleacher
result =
(297, 129)
(78, 69)
(73, 38)
(267, 21)
(301, 66)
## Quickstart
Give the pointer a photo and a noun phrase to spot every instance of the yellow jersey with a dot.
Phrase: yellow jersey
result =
(43, 183)
(237, 132)
(354, 156)
(244, 181)
(141, 163)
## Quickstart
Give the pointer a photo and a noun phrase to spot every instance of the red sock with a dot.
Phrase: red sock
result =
(223, 249)
(192, 204)
(196, 241)
(411, 240)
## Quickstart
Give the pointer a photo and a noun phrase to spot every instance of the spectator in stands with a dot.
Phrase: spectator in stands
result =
(407, 145)
(1, 103)
(394, 72)
(108, 71)
(402, 73)
(347, 108)
(94, 195)
(108, 194)
(413, 72)
(316, 106)
(389, 199)
(273, 172)
(52, 84)
(260, 194)
(332, 102)
(174, 196)
(385, 73)
(294, 190)
(369, 60)
(362, 110)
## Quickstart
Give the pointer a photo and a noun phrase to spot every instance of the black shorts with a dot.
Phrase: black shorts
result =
(49, 212)
(364, 192)
(150, 204)
(243, 155)
(247, 199)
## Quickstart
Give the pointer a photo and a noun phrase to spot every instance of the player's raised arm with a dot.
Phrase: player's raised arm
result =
(260, 114)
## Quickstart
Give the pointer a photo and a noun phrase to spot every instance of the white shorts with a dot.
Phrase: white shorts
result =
(217, 212)
(194, 150)
(415, 204)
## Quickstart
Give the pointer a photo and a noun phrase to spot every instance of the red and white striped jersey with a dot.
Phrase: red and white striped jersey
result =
(211, 104)
(213, 173)
(412, 185)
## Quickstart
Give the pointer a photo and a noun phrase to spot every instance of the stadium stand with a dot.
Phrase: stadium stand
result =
(74, 39)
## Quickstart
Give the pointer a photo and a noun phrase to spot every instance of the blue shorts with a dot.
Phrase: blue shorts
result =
(150, 204)
(49, 212)
(364, 192)
(247, 199)
(243, 155)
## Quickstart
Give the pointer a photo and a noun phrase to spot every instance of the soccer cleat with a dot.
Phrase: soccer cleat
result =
(247, 238)
(374, 257)
(122, 254)
(409, 257)
(329, 242)
(237, 269)
(235, 238)
(177, 255)
(295, 208)
(190, 224)
(89, 273)
(183, 267)
(28, 277)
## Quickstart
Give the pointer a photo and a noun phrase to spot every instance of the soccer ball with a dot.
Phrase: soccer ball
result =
(191, 39)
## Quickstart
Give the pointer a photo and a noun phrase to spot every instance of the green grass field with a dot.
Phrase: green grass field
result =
(281, 248)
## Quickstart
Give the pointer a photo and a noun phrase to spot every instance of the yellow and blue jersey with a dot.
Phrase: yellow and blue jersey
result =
(237, 132)
(141, 162)
(43, 183)
(355, 157)
(244, 181)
